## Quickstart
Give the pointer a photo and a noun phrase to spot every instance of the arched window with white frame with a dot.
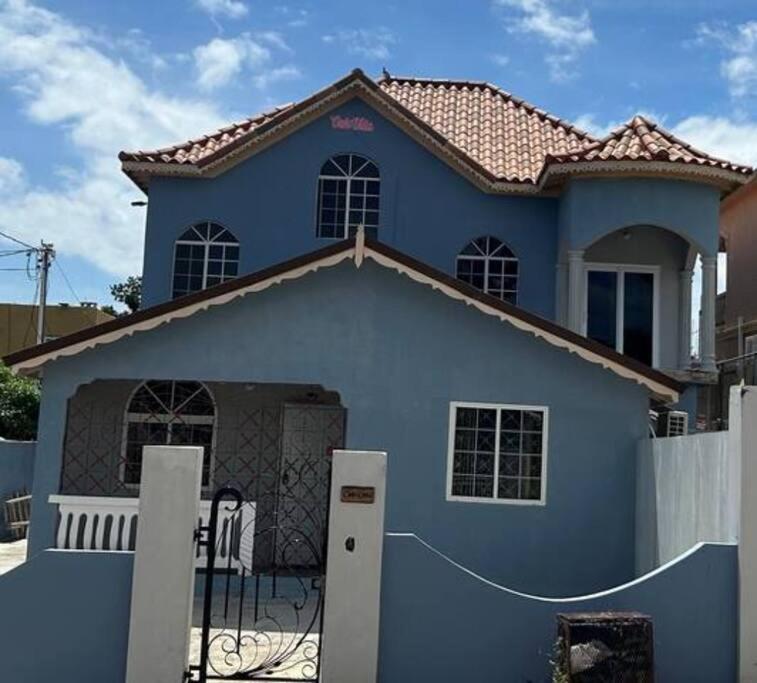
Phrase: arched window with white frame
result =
(348, 196)
(205, 255)
(165, 413)
(490, 265)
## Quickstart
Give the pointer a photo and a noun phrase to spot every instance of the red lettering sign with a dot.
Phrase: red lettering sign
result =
(357, 123)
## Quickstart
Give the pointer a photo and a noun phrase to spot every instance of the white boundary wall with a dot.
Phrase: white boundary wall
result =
(687, 493)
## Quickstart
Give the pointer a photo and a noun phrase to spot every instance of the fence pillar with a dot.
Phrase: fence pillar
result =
(353, 570)
(743, 407)
(163, 580)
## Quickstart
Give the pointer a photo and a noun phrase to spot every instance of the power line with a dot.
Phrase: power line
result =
(17, 241)
(68, 282)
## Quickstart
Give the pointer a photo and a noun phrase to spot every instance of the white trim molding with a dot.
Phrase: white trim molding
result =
(454, 406)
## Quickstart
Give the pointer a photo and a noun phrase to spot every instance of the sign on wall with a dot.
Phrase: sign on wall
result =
(357, 123)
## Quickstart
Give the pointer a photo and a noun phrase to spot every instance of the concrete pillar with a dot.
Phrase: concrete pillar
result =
(561, 294)
(576, 277)
(684, 318)
(163, 581)
(353, 568)
(707, 324)
(743, 419)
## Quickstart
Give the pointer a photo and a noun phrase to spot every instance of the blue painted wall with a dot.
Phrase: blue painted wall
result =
(380, 340)
(427, 209)
(64, 617)
(440, 623)
(16, 473)
(593, 207)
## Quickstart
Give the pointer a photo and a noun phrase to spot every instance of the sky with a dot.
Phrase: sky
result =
(82, 80)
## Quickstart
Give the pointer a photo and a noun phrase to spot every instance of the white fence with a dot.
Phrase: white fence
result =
(687, 492)
(110, 523)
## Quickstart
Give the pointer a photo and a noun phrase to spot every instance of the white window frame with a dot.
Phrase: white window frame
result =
(347, 194)
(206, 255)
(487, 259)
(453, 406)
(162, 419)
(623, 268)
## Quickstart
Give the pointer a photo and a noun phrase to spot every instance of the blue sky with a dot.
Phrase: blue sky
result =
(81, 80)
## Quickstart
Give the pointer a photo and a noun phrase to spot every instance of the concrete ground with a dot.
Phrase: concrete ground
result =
(11, 555)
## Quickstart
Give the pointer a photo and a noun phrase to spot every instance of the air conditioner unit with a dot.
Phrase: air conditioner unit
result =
(673, 423)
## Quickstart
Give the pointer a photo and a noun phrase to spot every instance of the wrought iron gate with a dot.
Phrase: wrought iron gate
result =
(262, 611)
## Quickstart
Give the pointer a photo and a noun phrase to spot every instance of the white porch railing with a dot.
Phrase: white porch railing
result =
(108, 523)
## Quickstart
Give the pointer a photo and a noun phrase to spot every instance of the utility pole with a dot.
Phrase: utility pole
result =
(45, 256)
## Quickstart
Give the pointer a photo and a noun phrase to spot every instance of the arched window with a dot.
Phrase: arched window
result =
(489, 265)
(206, 255)
(164, 412)
(348, 196)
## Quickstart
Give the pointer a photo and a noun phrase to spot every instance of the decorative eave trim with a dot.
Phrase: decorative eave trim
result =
(723, 178)
(358, 249)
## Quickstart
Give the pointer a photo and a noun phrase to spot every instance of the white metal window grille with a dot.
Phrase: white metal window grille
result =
(205, 255)
(348, 196)
(489, 265)
(162, 413)
(497, 453)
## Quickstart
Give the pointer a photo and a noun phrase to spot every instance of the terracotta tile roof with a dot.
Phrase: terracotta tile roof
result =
(490, 130)
(507, 136)
(192, 151)
(641, 139)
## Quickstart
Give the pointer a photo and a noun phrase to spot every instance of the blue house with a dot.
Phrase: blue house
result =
(432, 268)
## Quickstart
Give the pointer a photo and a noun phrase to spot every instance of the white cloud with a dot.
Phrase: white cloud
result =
(233, 9)
(566, 34)
(721, 137)
(102, 107)
(276, 75)
(500, 59)
(371, 43)
(12, 176)
(740, 69)
(220, 60)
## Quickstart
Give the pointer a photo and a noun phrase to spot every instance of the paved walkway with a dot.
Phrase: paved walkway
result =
(11, 555)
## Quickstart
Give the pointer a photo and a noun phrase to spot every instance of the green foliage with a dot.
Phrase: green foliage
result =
(19, 406)
(128, 293)
(109, 310)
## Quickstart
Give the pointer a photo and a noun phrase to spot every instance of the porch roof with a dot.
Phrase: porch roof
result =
(359, 248)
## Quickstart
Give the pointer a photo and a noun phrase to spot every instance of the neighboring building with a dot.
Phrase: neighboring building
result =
(433, 268)
(18, 323)
(736, 325)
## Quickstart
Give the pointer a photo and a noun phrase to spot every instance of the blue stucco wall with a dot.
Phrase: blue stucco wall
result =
(64, 617)
(427, 209)
(440, 623)
(398, 353)
(593, 207)
(16, 473)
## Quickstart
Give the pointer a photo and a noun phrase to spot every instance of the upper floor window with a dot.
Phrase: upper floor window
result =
(621, 309)
(163, 413)
(206, 255)
(489, 265)
(348, 196)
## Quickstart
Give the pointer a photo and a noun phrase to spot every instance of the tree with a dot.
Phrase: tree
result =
(19, 406)
(128, 293)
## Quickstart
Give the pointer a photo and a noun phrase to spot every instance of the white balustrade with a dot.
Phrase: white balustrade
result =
(110, 523)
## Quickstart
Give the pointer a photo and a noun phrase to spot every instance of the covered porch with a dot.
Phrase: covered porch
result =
(272, 442)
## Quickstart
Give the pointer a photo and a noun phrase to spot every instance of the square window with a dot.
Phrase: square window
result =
(230, 269)
(232, 253)
(498, 452)
(215, 252)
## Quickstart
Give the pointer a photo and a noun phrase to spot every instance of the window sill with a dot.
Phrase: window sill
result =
(496, 501)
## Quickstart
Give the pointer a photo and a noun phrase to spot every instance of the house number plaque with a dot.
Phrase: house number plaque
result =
(358, 494)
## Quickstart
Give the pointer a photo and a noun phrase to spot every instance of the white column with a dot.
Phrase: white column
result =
(707, 324)
(576, 278)
(561, 294)
(163, 580)
(353, 579)
(743, 417)
(684, 320)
